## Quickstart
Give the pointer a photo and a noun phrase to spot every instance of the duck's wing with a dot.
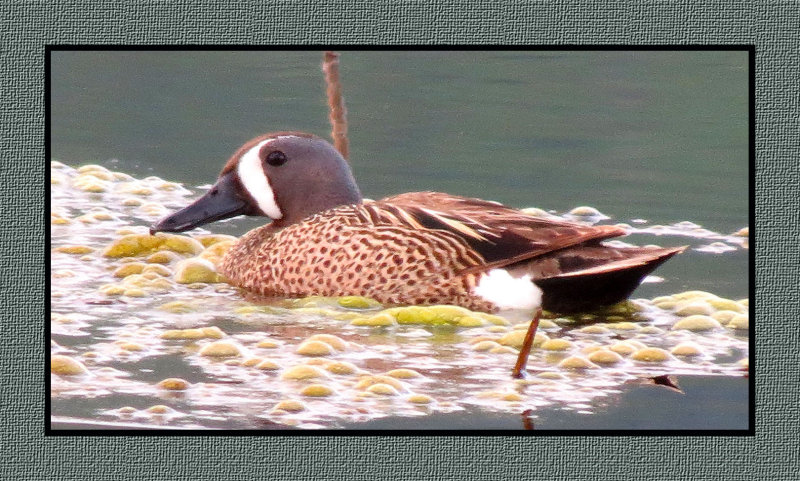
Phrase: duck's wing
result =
(501, 235)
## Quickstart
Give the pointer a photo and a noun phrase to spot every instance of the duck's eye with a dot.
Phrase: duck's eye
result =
(276, 158)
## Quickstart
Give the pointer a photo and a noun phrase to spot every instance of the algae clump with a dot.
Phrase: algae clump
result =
(651, 354)
(696, 323)
(315, 348)
(221, 349)
(317, 390)
(357, 302)
(189, 271)
(66, 366)
(301, 372)
(174, 384)
(139, 244)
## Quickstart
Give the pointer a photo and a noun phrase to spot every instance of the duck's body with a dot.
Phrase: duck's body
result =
(416, 248)
(433, 248)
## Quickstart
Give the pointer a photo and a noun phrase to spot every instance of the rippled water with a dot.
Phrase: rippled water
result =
(135, 324)
(655, 140)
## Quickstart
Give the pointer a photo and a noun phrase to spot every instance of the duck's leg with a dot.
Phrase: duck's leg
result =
(525, 350)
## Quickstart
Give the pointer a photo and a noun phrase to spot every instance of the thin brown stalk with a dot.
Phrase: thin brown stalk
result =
(337, 113)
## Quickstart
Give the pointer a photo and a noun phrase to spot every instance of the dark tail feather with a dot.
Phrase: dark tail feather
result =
(600, 286)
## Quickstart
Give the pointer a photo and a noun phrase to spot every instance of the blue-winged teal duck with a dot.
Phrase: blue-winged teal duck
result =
(414, 248)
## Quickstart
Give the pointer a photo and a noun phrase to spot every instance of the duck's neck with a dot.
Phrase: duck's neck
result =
(326, 194)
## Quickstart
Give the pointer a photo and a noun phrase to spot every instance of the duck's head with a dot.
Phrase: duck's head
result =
(286, 176)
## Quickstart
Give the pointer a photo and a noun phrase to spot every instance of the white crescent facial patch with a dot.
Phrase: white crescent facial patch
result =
(255, 181)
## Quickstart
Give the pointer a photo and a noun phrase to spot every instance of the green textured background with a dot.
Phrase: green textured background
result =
(29, 25)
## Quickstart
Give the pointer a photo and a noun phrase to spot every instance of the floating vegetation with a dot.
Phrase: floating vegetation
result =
(221, 349)
(148, 317)
(174, 384)
(67, 366)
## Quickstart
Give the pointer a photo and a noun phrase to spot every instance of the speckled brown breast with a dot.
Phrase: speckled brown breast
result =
(349, 251)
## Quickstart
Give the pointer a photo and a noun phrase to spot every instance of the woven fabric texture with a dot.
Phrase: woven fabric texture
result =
(30, 25)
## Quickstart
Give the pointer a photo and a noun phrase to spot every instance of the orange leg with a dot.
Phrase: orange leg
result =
(525, 350)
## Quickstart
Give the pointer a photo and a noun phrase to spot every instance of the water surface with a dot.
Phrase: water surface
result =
(649, 138)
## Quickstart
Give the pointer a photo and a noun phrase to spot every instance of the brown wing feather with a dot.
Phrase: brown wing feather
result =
(502, 235)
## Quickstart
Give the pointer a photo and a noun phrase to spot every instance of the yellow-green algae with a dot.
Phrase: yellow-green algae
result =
(162, 257)
(724, 317)
(251, 361)
(693, 307)
(189, 271)
(335, 342)
(342, 367)
(210, 239)
(128, 269)
(317, 361)
(383, 389)
(160, 409)
(739, 321)
(74, 249)
(141, 244)
(302, 372)
(624, 348)
(503, 350)
(419, 399)
(403, 373)
(211, 332)
(595, 329)
(268, 365)
(604, 356)
(516, 338)
(485, 346)
(317, 390)
(315, 348)
(358, 302)
(67, 366)
(536, 212)
(134, 292)
(367, 381)
(651, 354)
(221, 349)
(177, 307)
(590, 348)
(157, 270)
(686, 349)
(289, 405)
(556, 345)
(268, 344)
(174, 384)
(693, 295)
(576, 362)
(696, 323)
(215, 252)
(131, 346)
(726, 305)
(431, 316)
(585, 211)
(623, 326)
(382, 319)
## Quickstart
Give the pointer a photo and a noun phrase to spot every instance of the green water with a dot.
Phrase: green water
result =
(648, 138)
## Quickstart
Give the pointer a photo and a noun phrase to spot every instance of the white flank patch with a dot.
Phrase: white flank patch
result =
(251, 173)
(506, 292)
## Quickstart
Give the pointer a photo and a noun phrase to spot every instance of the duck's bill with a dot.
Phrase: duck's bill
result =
(223, 201)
